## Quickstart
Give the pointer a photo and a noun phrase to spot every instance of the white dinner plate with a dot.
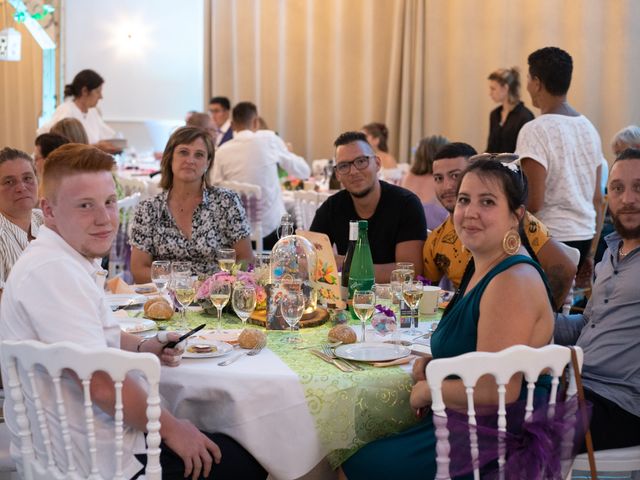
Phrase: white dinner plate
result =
(136, 325)
(372, 352)
(125, 300)
(222, 348)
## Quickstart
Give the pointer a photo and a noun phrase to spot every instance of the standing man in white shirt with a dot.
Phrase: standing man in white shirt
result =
(253, 156)
(53, 294)
(220, 110)
(561, 154)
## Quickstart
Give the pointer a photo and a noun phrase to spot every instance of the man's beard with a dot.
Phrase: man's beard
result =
(625, 232)
(362, 193)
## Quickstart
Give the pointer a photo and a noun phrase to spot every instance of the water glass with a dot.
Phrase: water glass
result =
(161, 274)
(364, 305)
(292, 308)
(243, 300)
(180, 269)
(226, 259)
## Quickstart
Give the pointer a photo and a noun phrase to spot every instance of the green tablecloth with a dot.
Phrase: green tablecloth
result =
(349, 409)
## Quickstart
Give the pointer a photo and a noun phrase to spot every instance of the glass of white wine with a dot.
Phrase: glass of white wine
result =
(161, 274)
(184, 291)
(219, 296)
(292, 308)
(226, 259)
(364, 305)
(243, 300)
(398, 277)
(412, 293)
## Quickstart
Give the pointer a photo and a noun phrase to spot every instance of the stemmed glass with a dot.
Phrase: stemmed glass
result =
(226, 259)
(412, 293)
(161, 274)
(292, 308)
(184, 291)
(364, 305)
(398, 277)
(219, 296)
(243, 300)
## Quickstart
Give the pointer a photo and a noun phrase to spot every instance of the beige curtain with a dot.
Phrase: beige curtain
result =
(20, 89)
(318, 67)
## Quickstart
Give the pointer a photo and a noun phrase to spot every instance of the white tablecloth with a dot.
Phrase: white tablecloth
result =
(257, 400)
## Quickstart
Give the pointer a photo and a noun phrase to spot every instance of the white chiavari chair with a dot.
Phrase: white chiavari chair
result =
(305, 206)
(38, 382)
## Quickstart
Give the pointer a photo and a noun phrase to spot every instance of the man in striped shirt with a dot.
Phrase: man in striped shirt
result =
(19, 220)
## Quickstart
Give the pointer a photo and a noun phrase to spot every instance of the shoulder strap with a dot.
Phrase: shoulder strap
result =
(583, 414)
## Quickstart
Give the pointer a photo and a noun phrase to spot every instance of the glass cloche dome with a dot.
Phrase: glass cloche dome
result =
(293, 264)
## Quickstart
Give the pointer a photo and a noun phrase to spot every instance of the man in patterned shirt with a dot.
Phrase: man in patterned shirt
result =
(443, 252)
(19, 220)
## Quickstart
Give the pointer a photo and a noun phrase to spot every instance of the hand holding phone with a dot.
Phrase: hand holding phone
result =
(185, 336)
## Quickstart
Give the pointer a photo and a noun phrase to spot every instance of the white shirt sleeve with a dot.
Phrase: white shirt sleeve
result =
(295, 165)
(531, 144)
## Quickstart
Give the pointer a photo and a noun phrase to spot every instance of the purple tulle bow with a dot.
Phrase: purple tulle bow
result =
(387, 311)
(424, 280)
(541, 448)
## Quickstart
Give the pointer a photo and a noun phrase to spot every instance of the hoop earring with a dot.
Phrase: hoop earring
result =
(511, 242)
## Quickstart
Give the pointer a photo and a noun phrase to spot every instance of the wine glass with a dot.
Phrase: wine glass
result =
(184, 292)
(364, 305)
(406, 266)
(243, 300)
(161, 274)
(219, 296)
(226, 259)
(412, 293)
(180, 269)
(398, 277)
(292, 308)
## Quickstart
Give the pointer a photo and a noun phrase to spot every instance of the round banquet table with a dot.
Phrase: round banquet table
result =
(287, 407)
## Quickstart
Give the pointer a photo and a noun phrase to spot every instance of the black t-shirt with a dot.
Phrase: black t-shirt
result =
(399, 217)
(502, 139)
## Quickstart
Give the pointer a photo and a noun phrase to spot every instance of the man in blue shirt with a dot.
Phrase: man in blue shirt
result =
(609, 329)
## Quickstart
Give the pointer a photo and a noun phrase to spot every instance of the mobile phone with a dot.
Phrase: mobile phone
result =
(185, 336)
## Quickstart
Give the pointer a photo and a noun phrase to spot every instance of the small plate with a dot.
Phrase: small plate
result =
(125, 300)
(372, 352)
(136, 325)
(222, 348)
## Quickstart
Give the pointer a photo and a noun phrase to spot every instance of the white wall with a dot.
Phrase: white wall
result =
(150, 53)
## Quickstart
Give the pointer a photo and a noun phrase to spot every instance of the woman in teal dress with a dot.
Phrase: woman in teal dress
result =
(503, 302)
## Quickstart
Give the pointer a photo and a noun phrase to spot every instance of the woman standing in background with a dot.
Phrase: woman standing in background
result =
(506, 120)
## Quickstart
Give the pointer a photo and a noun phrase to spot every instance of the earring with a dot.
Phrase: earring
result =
(511, 242)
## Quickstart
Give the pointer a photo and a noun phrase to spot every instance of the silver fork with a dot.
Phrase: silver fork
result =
(254, 351)
(328, 350)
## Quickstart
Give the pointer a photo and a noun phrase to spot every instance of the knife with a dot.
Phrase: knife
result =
(327, 359)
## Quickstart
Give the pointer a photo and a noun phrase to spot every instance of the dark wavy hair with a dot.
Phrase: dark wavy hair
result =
(85, 78)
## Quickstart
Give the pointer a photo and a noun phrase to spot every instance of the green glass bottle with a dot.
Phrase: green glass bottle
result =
(361, 274)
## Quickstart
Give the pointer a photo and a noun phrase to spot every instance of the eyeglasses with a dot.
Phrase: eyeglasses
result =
(359, 162)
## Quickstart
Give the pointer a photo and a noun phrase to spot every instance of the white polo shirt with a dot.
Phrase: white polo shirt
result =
(51, 296)
(13, 241)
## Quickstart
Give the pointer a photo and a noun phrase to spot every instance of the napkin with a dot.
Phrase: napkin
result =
(399, 361)
(118, 286)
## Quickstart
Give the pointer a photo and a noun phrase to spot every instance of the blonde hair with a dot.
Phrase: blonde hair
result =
(628, 137)
(72, 129)
(70, 159)
(509, 77)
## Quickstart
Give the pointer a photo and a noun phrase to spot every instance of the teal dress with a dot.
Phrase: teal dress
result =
(411, 454)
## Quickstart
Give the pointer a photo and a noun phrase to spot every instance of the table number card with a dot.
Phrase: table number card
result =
(326, 270)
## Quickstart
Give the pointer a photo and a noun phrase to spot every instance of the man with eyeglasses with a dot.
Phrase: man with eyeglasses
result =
(444, 254)
(397, 226)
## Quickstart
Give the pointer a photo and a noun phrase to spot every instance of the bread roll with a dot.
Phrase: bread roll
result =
(342, 333)
(158, 309)
(250, 337)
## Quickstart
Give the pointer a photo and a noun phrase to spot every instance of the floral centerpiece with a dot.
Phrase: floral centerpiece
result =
(292, 183)
(256, 277)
